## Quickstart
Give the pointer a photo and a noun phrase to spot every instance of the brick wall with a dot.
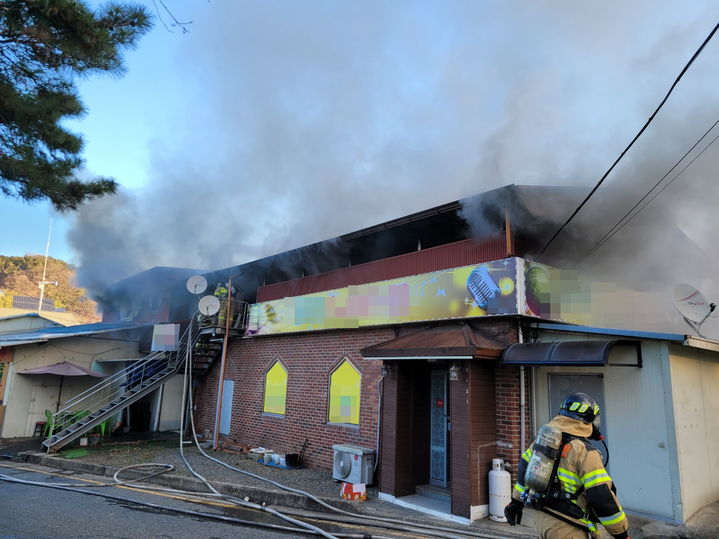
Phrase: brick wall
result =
(507, 390)
(493, 399)
(309, 359)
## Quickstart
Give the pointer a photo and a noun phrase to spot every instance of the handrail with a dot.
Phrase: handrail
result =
(109, 380)
(103, 393)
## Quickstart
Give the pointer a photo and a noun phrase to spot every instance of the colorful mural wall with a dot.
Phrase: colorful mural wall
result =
(465, 292)
(501, 287)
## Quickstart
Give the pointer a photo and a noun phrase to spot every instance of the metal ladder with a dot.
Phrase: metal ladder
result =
(115, 393)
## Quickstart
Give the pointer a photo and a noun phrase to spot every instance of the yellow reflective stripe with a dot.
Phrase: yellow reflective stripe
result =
(593, 473)
(527, 455)
(519, 488)
(616, 517)
(570, 476)
(598, 480)
(596, 477)
(569, 486)
(589, 524)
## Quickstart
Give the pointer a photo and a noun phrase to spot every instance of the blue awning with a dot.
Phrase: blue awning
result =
(569, 353)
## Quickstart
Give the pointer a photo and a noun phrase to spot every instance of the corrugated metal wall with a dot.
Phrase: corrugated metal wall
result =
(452, 255)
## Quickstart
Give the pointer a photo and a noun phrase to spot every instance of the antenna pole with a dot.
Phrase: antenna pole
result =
(43, 282)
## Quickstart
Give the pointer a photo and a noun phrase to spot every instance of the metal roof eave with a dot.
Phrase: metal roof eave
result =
(573, 328)
(701, 343)
(46, 334)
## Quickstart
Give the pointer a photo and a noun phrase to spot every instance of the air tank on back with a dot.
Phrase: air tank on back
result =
(545, 452)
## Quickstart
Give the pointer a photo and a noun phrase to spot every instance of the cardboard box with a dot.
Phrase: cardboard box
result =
(353, 491)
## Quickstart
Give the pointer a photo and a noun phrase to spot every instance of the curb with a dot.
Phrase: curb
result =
(255, 494)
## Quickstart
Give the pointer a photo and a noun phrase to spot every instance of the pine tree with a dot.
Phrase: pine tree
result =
(44, 45)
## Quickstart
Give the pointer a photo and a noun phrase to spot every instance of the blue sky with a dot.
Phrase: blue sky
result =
(273, 124)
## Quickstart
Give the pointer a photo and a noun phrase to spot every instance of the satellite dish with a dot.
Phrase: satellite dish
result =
(209, 305)
(692, 305)
(196, 284)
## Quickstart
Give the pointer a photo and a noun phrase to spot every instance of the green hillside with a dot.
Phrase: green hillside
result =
(20, 275)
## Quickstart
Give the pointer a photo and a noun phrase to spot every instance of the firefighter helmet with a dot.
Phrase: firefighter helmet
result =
(580, 406)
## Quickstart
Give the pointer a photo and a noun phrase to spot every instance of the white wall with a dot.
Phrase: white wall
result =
(641, 443)
(30, 395)
(695, 391)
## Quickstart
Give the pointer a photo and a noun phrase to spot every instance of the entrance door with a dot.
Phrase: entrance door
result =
(438, 429)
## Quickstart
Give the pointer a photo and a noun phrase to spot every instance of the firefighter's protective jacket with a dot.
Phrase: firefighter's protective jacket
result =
(580, 474)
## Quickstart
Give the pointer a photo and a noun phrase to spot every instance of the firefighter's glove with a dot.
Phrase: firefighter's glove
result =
(513, 512)
(623, 535)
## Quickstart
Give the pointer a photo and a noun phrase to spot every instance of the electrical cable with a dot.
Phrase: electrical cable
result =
(628, 215)
(348, 517)
(636, 137)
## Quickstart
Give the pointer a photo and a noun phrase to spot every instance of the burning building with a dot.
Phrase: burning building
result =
(436, 341)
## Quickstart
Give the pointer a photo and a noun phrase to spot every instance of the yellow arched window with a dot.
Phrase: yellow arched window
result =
(275, 389)
(345, 385)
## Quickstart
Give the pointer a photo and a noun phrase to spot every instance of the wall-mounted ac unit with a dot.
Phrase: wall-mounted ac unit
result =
(353, 464)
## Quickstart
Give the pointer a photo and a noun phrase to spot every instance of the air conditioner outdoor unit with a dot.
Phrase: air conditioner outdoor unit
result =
(353, 464)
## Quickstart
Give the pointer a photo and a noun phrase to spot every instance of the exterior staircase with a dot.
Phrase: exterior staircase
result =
(211, 335)
(115, 393)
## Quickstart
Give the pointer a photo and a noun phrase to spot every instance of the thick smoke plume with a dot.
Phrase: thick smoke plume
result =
(302, 121)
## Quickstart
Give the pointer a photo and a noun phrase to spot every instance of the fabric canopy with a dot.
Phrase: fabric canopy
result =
(64, 368)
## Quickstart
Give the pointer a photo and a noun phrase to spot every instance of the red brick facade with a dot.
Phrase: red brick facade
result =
(309, 360)
(509, 445)
(485, 408)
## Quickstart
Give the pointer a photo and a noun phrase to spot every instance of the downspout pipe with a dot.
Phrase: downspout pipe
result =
(223, 362)
(380, 390)
(522, 396)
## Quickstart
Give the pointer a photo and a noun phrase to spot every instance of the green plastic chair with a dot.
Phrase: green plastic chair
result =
(49, 424)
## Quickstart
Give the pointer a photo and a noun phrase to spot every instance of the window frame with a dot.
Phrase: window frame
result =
(337, 366)
(272, 364)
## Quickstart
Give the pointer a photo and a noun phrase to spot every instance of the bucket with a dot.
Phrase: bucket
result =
(268, 457)
(275, 459)
(283, 460)
(292, 459)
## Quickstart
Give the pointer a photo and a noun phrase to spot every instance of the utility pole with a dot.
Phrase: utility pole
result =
(43, 282)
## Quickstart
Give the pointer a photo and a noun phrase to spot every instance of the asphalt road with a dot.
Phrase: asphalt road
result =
(39, 512)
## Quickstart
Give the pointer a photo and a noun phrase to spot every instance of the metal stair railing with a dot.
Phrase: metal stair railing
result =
(111, 391)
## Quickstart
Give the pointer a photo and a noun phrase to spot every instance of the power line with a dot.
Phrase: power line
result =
(604, 177)
(622, 222)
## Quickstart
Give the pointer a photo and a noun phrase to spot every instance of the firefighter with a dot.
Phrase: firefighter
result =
(581, 494)
(222, 292)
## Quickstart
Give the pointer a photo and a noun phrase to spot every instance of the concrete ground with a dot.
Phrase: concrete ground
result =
(131, 449)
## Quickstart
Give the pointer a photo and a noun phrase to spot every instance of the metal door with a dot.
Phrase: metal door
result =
(561, 385)
(438, 429)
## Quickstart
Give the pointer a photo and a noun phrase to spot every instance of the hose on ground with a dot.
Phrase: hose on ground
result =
(223, 518)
